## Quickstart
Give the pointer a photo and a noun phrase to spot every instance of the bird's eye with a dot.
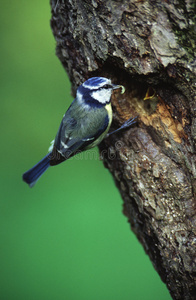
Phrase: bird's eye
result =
(107, 86)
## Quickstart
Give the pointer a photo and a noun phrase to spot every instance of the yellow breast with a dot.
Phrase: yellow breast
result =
(108, 107)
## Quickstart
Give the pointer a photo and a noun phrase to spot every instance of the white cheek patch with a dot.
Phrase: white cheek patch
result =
(103, 96)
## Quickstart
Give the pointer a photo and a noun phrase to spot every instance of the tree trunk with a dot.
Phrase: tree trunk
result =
(148, 46)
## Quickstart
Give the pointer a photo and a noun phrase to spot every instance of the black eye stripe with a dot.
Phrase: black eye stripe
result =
(106, 86)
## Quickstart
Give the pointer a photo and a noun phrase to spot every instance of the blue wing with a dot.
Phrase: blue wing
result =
(76, 134)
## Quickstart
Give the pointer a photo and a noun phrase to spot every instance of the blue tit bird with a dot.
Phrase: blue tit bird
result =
(84, 125)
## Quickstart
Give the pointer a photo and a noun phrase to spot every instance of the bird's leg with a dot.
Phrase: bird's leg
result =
(127, 124)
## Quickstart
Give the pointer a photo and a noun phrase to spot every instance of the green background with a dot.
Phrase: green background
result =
(67, 237)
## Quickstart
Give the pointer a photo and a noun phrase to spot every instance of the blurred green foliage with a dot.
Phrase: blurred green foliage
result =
(67, 237)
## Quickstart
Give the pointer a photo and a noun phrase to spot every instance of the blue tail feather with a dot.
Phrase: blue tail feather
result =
(32, 175)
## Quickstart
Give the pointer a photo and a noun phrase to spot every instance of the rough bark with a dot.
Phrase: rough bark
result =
(148, 46)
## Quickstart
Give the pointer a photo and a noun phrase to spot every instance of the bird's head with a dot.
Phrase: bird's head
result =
(97, 90)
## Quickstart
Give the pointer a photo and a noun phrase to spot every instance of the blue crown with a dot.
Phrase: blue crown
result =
(95, 82)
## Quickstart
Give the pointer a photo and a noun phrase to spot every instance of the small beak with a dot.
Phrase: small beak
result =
(115, 86)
